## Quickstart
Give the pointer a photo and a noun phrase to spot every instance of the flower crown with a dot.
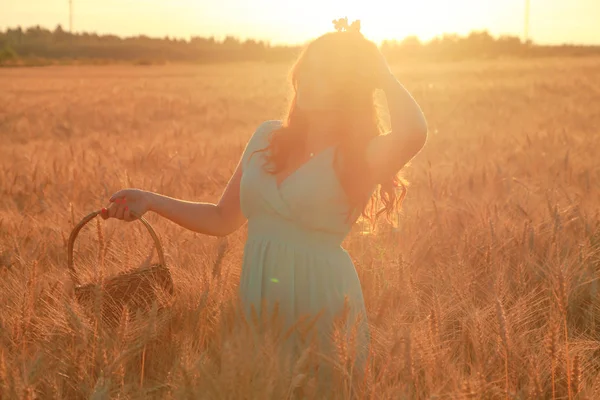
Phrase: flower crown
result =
(341, 25)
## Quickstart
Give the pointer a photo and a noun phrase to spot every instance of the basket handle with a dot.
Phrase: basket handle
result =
(88, 218)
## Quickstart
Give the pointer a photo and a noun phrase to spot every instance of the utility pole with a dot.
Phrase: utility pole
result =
(71, 16)
(526, 32)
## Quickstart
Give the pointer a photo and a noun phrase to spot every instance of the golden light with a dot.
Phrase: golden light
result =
(299, 21)
(380, 19)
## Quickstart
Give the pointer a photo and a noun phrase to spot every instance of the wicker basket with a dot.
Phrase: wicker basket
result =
(136, 288)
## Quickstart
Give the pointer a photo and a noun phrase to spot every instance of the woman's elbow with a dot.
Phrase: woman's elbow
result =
(219, 231)
(226, 230)
(227, 222)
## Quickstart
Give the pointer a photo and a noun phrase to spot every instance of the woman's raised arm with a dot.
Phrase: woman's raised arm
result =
(387, 154)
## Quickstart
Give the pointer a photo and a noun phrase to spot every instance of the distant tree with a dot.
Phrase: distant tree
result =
(231, 41)
(7, 53)
(410, 46)
(36, 41)
(411, 41)
(59, 34)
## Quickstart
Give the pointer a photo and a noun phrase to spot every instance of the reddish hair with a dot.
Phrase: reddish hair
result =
(350, 63)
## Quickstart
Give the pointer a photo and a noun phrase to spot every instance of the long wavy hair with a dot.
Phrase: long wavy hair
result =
(349, 62)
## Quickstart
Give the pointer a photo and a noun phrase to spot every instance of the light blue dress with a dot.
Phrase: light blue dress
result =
(293, 254)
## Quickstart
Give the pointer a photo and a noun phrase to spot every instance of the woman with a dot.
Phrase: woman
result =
(302, 183)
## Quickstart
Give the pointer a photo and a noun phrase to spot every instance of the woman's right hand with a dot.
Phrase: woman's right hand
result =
(126, 203)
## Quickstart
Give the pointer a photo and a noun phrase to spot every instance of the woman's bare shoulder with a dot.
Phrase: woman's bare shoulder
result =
(260, 136)
(270, 125)
(265, 128)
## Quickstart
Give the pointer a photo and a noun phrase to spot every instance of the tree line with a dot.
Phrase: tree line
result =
(38, 43)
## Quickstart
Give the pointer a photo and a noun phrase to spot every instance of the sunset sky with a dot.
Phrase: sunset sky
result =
(284, 21)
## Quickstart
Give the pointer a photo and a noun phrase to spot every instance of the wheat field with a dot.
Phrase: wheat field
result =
(487, 288)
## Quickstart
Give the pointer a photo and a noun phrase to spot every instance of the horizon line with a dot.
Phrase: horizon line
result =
(270, 42)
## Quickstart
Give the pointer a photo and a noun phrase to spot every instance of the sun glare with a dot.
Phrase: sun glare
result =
(296, 22)
(380, 19)
(425, 19)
